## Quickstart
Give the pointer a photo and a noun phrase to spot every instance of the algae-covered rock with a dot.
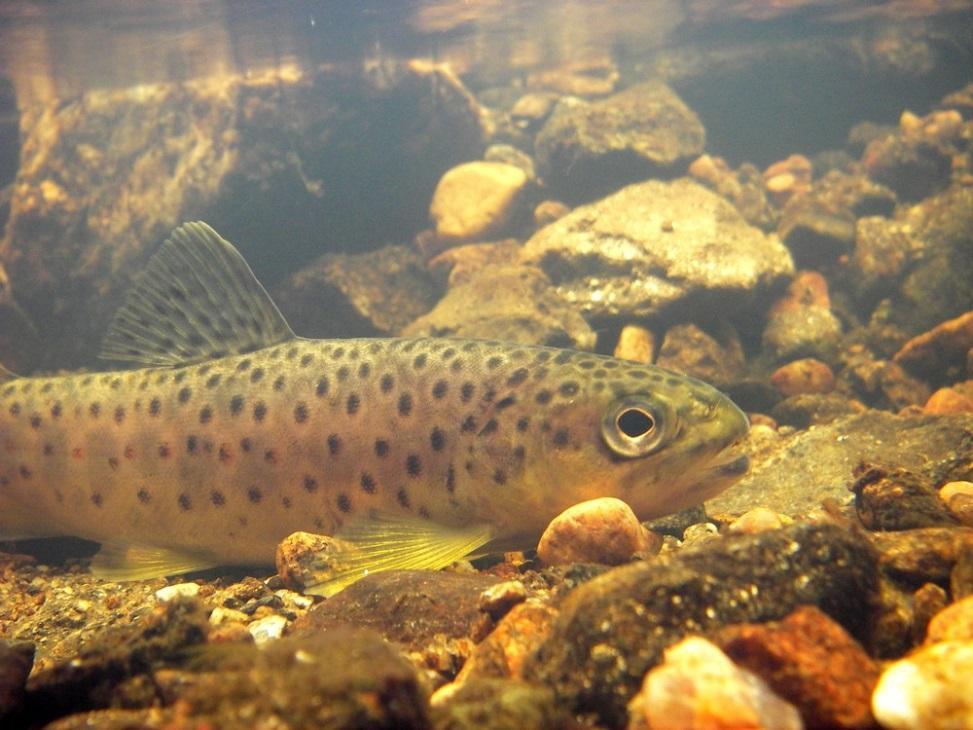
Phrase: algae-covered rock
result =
(612, 629)
(656, 246)
(500, 704)
(587, 148)
(506, 302)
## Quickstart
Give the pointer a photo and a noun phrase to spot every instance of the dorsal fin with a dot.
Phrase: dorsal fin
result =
(6, 374)
(196, 300)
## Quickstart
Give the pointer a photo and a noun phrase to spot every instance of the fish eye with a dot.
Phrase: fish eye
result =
(635, 422)
(636, 426)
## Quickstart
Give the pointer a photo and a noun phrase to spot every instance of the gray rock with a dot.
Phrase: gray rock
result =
(611, 630)
(586, 148)
(817, 464)
(654, 246)
(688, 349)
(358, 295)
(514, 303)
(803, 331)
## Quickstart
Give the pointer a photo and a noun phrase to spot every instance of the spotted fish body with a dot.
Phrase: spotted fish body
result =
(213, 460)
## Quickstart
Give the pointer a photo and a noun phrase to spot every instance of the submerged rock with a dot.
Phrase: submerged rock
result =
(588, 148)
(476, 200)
(940, 349)
(897, 499)
(601, 530)
(15, 664)
(654, 246)
(612, 629)
(500, 704)
(716, 359)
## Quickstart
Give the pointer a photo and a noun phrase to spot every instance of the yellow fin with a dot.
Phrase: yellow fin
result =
(196, 300)
(121, 562)
(394, 543)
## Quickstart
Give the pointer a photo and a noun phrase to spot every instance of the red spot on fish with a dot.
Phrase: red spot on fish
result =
(225, 455)
(113, 462)
(164, 450)
(77, 452)
(129, 452)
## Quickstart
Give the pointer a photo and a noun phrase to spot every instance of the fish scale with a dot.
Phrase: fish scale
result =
(214, 460)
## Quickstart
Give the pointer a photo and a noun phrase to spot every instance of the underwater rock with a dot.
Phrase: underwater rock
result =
(636, 344)
(806, 331)
(881, 383)
(810, 661)
(613, 628)
(953, 623)
(803, 376)
(689, 350)
(896, 499)
(586, 149)
(408, 607)
(801, 470)
(16, 660)
(589, 73)
(476, 200)
(514, 303)
(787, 178)
(927, 555)
(924, 691)
(804, 410)
(759, 519)
(532, 108)
(463, 263)
(603, 530)
(884, 249)
(698, 686)
(814, 236)
(958, 497)
(947, 401)
(498, 704)
(285, 163)
(497, 600)
(940, 349)
(304, 559)
(653, 247)
(743, 187)
(548, 211)
(358, 295)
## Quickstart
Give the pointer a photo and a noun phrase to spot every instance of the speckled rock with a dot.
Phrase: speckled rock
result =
(358, 295)
(271, 159)
(924, 555)
(15, 664)
(813, 409)
(716, 359)
(476, 200)
(805, 331)
(924, 691)
(880, 383)
(408, 607)
(612, 629)
(793, 474)
(499, 704)
(588, 148)
(636, 344)
(743, 187)
(897, 499)
(810, 661)
(789, 177)
(654, 246)
(601, 530)
(803, 376)
(511, 303)
(943, 347)
(884, 248)
(697, 686)
(953, 623)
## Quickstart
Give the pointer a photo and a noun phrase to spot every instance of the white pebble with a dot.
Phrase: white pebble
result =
(267, 628)
(179, 590)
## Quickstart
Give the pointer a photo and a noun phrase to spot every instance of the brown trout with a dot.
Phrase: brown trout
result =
(236, 433)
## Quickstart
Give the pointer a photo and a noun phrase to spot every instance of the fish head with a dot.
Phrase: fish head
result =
(657, 440)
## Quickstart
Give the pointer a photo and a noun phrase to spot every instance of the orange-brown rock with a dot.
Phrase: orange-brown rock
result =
(947, 401)
(945, 344)
(809, 288)
(806, 375)
(955, 622)
(787, 178)
(636, 344)
(603, 530)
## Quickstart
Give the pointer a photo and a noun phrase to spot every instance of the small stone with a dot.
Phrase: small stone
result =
(221, 616)
(548, 211)
(476, 200)
(809, 288)
(759, 519)
(896, 499)
(230, 633)
(801, 322)
(927, 601)
(267, 628)
(787, 178)
(698, 686)
(497, 600)
(636, 344)
(946, 401)
(178, 590)
(923, 555)
(497, 704)
(305, 559)
(806, 375)
(953, 623)
(532, 108)
(16, 660)
(715, 358)
(951, 489)
(503, 651)
(700, 533)
(510, 155)
(925, 691)
(603, 530)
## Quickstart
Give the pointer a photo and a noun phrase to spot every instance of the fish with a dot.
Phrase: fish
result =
(219, 432)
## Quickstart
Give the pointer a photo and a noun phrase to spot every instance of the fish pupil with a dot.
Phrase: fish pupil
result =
(635, 422)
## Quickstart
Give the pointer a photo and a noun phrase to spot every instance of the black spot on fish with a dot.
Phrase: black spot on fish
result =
(437, 439)
(205, 414)
(402, 497)
(116, 383)
(309, 483)
(364, 370)
(368, 483)
(143, 496)
(46, 388)
(291, 353)
(245, 444)
(334, 444)
(185, 394)
(87, 379)
(94, 409)
(279, 383)
(563, 357)
(270, 456)
(405, 404)
(164, 450)
(236, 405)
(387, 383)
(185, 503)
(517, 377)
(25, 471)
(243, 365)
(413, 465)
(519, 452)
(353, 403)
(155, 406)
(523, 423)
(306, 359)
(343, 372)
(217, 498)
(300, 413)
(569, 388)
(224, 454)
(56, 410)
(506, 402)
(338, 352)
(420, 361)
(469, 347)
(213, 380)
(256, 375)
(638, 374)
(35, 421)
(543, 397)
(381, 448)
(14, 409)
(119, 414)
(469, 424)
(450, 479)
(321, 389)
(286, 502)
(112, 463)
(48, 449)
(191, 444)
(599, 373)
(489, 427)
(440, 389)
(673, 382)
(96, 499)
(448, 353)
(466, 392)
(561, 437)
(259, 411)
(180, 376)
(254, 494)
(494, 362)
(456, 366)
(344, 504)
(586, 364)
(424, 513)
(500, 477)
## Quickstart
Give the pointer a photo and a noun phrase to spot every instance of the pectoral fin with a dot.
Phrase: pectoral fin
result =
(120, 562)
(393, 543)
